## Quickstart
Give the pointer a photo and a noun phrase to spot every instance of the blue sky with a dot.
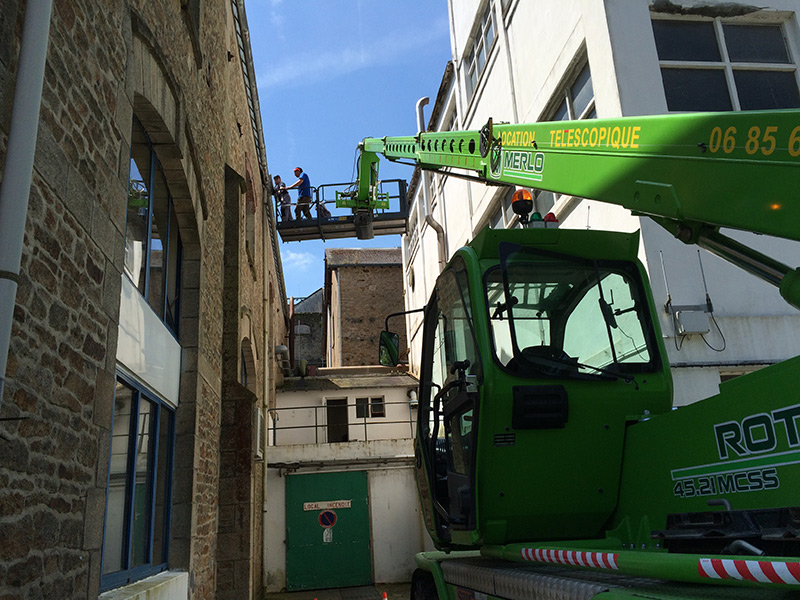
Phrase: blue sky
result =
(329, 73)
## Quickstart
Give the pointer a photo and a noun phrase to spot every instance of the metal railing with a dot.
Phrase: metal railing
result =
(353, 429)
(325, 195)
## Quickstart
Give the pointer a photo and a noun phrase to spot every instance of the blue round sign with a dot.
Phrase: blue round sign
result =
(327, 519)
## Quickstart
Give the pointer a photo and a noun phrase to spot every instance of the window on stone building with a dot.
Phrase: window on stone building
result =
(135, 538)
(261, 433)
(713, 64)
(477, 52)
(152, 242)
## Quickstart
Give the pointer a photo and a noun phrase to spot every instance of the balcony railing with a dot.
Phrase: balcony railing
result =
(331, 423)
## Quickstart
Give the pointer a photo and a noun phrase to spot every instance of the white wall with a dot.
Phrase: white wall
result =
(299, 411)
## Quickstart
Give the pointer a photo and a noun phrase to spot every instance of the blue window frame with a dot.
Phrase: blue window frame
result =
(153, 249)
(138, 493)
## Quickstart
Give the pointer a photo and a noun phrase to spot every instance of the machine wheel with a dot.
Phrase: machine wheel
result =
(423, 587)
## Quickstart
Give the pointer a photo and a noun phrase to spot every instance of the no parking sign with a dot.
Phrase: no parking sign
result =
(327, 519)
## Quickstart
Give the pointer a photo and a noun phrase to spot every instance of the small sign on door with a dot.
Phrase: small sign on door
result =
(327, 505)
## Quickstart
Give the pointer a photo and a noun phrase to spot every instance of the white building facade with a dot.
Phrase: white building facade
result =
(520, 61)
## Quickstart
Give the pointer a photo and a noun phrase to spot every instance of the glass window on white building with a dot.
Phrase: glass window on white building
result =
(711, 65)
(575, 97)
(572, 100)
(476, 53)
(503, 216)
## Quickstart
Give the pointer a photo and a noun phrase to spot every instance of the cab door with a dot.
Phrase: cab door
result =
(450, 375)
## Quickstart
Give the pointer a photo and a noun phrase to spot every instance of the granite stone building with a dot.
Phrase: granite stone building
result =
(363, 286)
(149, 305)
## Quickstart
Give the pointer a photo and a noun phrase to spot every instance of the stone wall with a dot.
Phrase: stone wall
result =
(368, 294)
(169, 66)
(309, 338)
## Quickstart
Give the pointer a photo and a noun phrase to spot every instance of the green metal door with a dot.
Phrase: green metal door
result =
(327, 531)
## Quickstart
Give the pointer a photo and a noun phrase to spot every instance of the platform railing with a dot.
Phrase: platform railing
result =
(314, 418)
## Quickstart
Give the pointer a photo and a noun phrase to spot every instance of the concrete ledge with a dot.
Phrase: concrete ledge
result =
(170, 585)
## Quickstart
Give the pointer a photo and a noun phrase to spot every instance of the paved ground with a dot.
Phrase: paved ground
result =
(393, 591)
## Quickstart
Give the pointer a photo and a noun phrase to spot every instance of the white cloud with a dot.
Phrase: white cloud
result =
(316, 66)
(300, 261)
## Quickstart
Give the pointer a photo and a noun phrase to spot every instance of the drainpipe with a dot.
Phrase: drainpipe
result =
(426, 211)
(18, 168)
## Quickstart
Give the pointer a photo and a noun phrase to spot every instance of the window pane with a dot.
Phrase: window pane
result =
(362, 408)
(164, 464)
(481, 58)
(508, 212)
(142, 483)
(378, 409)
(159, 230)
(756, 43)
(696, 89)
(686, 40)
(472, 80)
(582, 92)
(496, 220)
(544, 202)
(138, 209)
(114, 537)
(489, 31)
(586, 334)
(766, 89)
(562, 112)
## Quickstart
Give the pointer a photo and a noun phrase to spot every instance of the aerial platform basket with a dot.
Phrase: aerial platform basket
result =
(347, 223)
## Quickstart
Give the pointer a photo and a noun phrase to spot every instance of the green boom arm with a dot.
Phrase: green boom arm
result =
(692, 173)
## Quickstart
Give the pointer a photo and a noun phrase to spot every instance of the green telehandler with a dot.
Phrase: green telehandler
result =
(549, 460)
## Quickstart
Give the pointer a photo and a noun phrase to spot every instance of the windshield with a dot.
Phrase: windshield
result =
(563, 317)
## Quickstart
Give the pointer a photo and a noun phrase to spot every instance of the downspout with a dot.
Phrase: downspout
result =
(18, 168)
(425, 205)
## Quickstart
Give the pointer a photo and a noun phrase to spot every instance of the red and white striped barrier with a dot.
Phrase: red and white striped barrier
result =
(750, 570)
(598, 560)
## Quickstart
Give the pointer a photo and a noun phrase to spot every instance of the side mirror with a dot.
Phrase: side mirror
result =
(389, 349)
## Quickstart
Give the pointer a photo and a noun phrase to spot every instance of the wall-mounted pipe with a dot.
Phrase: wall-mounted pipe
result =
(426, 210)
(18, 168)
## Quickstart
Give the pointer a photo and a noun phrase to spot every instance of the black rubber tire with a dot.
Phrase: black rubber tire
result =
(423, 587)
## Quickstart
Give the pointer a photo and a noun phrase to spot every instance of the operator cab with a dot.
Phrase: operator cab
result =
(534, 359)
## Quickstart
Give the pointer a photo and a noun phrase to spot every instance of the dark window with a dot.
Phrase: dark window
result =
(370, 407)
(153, 251)
(377, 407)
(362, 408)
(710, 65)
(696, 89)
(761, 90)
(138, 493)
(756, 43)
(686, 40)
